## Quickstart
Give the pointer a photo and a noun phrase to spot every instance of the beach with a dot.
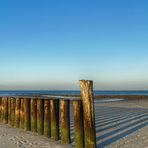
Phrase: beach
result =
(122, 124)
(73, 74)
(118, 124)
(11, 137)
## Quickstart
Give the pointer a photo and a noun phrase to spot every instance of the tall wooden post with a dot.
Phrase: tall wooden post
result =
(40, 116)
(65, 121)
(54, 114)
(27, 114)
(86, 88)
(78, 124)
(22, 114)
(17, 112)
(33, 111)
(47, 125)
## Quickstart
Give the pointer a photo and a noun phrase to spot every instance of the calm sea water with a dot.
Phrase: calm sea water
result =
(8, 92)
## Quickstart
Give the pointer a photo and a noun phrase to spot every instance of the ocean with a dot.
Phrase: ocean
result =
(71, 92)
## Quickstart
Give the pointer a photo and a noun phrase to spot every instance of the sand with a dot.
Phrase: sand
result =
(18, 138)
(122, 124)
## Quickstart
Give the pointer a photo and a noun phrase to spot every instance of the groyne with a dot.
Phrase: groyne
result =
(50, 115)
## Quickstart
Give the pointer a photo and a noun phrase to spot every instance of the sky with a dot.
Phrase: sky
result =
(53, 44)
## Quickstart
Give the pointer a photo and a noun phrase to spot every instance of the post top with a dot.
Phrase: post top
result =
(84, 80)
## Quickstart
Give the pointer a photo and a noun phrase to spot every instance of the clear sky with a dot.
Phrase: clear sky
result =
(52, 44)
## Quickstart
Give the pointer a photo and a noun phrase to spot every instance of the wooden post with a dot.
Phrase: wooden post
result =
(0, 109)
(26, 114)
(64, 121)
(78, 124)
(86, 88)
(40, 116)
(47, 125)
(54, 114)
(5, 110)
(9, 110)
(33, 111)
(12, 111)
(17, 112)
(22, 114)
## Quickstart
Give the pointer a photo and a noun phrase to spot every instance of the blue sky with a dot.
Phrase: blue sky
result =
(52, 44)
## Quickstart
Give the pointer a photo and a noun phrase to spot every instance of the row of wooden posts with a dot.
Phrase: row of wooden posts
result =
(51, 117)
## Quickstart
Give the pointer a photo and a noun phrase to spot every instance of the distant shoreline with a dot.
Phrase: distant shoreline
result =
(76, 95)
(122, 96)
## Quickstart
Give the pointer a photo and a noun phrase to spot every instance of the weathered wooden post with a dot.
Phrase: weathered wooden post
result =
(22, 114)
(0, 109)
(33, 111)
(78, 124)
(64, 121)
(17, 112)
(54, 114)
(86, 87)
(47, 123)
(5, 110)
(40, 116)
(12, 111)
(9, 110)
(27, 114)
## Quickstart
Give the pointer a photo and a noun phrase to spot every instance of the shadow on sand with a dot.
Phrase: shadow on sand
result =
(113, 123)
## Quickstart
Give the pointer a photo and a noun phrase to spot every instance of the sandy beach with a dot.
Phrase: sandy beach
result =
(121, 124)
(18, 138)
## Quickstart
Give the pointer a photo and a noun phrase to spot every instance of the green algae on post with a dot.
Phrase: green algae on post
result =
(5, 110)
(40, 116)
(27, 114)
(33, 112)
(86, 88)
(54, 114)
(47, 126)
(64, 121)
(12, 111)
(2, 110)
(9, 110)
(17, 112)
(22, 114)
(78, 123)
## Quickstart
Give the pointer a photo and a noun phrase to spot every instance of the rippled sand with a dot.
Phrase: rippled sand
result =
(122, 124)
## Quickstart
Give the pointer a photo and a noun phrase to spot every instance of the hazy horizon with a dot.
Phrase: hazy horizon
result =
(48, 45)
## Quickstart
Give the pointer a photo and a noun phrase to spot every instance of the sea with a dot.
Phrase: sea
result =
(71, 92)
